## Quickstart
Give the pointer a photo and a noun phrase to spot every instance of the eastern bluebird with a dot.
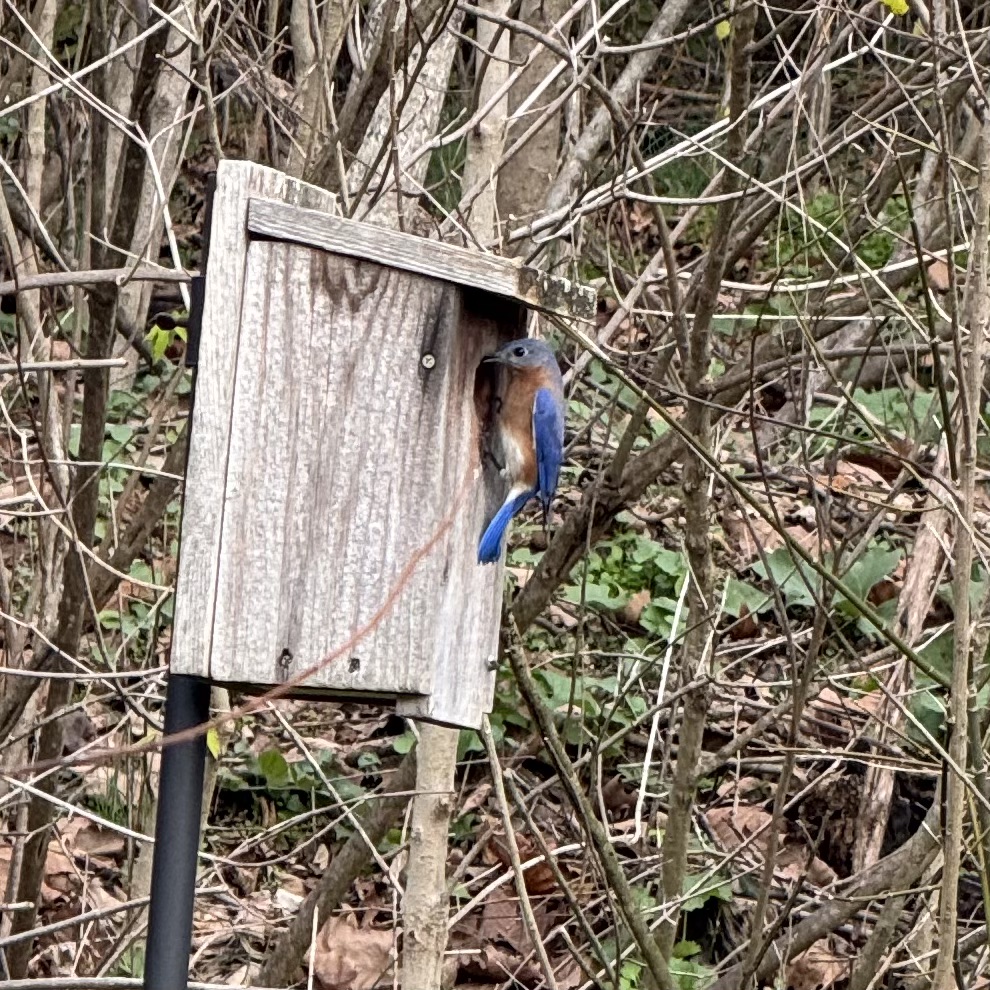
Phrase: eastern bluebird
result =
(530, 431)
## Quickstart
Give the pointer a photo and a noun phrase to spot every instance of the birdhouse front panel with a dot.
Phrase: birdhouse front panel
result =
(352, 501)
(336, 489)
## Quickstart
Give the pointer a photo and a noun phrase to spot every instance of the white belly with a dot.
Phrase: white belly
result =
(513, 456)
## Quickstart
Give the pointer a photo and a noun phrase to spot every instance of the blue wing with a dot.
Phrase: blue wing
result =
(548, 437)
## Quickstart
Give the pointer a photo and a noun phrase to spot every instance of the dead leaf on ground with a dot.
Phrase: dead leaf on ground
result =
(938, 276)
(346, 957)
(817, 968)
(633, 609)
(744, 786)
(884, 591)
(569, 976)
(847, 713)
(565, 618)
(742, 536)
(288, 901)
(99, 898)
(92, 841)
(641, 218)
(751, 535)
(502, 921)
(477, 798)
(734, 825)
(495, 964)
(853, 479)
(242, 976)
(61, 876)
(617, 796)
(539, 877)
(747, 626)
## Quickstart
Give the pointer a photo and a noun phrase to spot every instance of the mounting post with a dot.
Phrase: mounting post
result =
(177, 825)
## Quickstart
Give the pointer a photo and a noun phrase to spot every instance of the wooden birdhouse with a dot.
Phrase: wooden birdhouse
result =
(336, 489)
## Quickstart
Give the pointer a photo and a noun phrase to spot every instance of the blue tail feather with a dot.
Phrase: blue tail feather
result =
(490, 547)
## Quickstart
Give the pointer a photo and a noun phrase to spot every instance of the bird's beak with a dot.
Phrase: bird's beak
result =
(491, 359)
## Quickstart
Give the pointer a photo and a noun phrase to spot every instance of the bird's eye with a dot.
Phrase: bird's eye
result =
(520, 352)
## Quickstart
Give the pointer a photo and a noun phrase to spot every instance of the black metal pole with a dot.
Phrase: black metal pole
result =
(180, 804)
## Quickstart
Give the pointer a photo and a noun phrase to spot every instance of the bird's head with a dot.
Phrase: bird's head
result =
(527, 353)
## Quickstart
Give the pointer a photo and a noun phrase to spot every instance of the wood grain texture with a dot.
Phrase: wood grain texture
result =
(346, 456)
(236, 182)
(470, 595)
(502, 276)
(336, 431)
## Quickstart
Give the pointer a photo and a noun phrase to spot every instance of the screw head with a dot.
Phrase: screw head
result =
(428, 361)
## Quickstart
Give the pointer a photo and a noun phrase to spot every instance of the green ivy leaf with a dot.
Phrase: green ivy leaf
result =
(120, 432)
(468, 741)
(158, 340)
(274, 768)
(595, 594)
(739, 593)
(929, 711)
(792, 575)
(402, 744)
(872, 567)
(720, 891)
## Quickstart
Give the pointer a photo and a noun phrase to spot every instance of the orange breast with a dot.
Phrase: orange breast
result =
(517, 423)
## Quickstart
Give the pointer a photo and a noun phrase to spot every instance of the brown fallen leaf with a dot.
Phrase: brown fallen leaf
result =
(61, 876)
(539, 877)
(853, 477)
(61, 350)
(848, 713)
(565, 618)
(616, 796)
(744, 787)
(321, 858)
(495, 965)
(346, 957)
(733, 825)
(751, 535)
(96, 841)
(817, 968)
(502, 921)
(742, 534)
(746, 626)
(938, 276)
(633, 609)
(477, 798)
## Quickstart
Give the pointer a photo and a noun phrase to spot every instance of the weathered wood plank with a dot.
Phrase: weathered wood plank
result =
(464, 685)
(236, 182)
(353, 437)
(501, 276)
